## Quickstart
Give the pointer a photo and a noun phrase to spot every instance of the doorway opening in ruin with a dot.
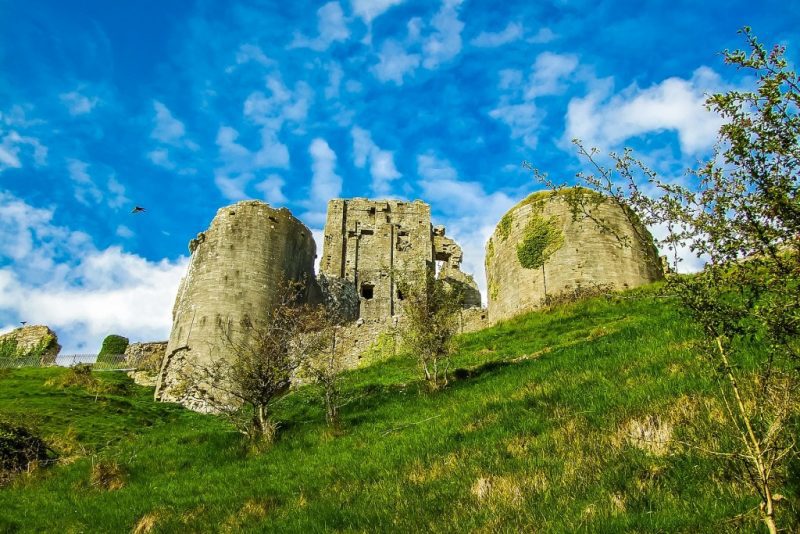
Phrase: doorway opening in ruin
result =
(367, 291)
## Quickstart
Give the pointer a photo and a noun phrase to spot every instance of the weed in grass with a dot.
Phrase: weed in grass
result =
(252, 512)
(107, 475)
(148, 522)
(651, 433)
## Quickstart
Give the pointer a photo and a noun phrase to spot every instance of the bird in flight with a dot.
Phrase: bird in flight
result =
(23, 323)
(138, 209)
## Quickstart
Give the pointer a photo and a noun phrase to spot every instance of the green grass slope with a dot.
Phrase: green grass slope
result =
(538, 431)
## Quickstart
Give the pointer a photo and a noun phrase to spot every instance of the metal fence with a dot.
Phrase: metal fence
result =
(109, 362)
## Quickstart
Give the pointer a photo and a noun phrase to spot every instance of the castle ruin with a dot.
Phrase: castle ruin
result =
(588, 241)
(542, 246)
(235, 268)
(374, 244)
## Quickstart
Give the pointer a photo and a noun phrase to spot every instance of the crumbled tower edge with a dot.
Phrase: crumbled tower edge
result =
(236, 267)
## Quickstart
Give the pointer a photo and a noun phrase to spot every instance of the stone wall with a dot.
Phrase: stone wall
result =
(373, 244)
(603, 245)
(32, 340)
(146, 358)
(235, 268)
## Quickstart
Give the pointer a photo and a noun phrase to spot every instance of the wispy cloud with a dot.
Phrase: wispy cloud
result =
(512, 32)
(381, 162)
(169, 133)
(427, 45)
(14, 146)
(325, 183)
(78, 103)
(331, 26)
(89, 193)
(59, 278)
(517, 107)
(239, 164)
(272, 189)
(395, 62)
(369, 10)
(444, 43)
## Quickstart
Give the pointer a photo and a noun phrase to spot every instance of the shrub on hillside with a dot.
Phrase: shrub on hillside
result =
(113, 346)
(21, 450)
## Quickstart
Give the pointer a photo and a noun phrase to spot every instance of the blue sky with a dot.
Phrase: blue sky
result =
(185, 106)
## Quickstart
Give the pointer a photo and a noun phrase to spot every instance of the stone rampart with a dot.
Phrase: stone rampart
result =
(546, 245)
(236, 268)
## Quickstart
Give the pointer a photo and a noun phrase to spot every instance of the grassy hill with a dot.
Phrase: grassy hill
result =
(570, 420)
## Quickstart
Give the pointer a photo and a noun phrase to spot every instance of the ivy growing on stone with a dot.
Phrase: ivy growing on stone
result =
(504, 227)
(540, 240)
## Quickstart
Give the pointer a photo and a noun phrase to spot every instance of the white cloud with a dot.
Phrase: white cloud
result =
(544, 35)
(116, 193)
(239, 164)
(523, 119)
(248, 53)
(335, 75)
(86, 191)
(166, 128)
(550, 71)
(517, 106)
(444, 43)
(395, 62)
(170, 135)
(78, 103)
(427, 45)
(369, 10)
(469, 212)
(512, 32)
(675, 104)
(381, 162)
(272, 189)
(332, 27)
(161, 158)
(57, 277)
(687, 260)
(325, 183)
(14, 145)
(124, 232)
(281, 106)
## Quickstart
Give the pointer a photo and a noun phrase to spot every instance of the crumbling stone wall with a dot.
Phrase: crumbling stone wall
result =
(373, 244)
(449, 253)
(235, 268)
(543, 246)
(145, 359)
(31, 340)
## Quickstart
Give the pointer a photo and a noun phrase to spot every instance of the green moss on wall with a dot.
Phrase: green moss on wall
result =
(541, 239)
(8, 348)
(504, 226)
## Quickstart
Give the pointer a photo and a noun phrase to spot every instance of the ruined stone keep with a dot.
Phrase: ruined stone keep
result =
(235, 267)
(374, 243)
(543, 246)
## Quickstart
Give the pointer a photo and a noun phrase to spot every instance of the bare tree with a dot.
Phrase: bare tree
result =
(263, 357)
(324, 361)
(742, 213)
(430, 321)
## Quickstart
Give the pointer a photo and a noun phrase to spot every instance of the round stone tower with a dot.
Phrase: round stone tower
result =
(551, 243)
(235, 268)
